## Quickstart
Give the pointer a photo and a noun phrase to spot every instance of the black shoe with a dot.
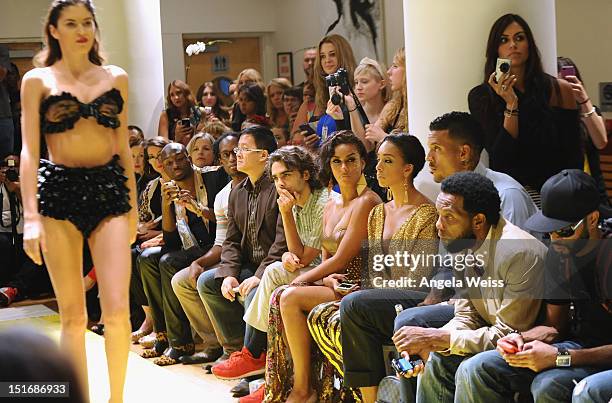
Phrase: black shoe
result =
(202, 357)
(242, 389)
(98, 329)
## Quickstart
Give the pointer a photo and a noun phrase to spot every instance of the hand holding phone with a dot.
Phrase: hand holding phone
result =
(185, 122)
(306, 127)
(345, 288)
(502, 66)
(567, 71)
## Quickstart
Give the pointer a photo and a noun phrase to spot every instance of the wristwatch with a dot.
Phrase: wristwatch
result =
(564, 359)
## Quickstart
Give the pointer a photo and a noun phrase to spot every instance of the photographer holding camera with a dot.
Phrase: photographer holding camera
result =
(19, 276)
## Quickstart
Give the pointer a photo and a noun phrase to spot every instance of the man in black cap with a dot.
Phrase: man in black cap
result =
(569, 347)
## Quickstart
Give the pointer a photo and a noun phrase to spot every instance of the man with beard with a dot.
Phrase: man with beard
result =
(548, 360)
(507, 265)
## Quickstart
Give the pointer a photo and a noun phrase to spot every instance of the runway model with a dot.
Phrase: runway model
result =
(86, 188)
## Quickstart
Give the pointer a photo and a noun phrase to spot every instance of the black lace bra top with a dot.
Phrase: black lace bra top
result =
(59, 113)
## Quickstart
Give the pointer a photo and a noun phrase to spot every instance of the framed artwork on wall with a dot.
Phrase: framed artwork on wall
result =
(284, 63)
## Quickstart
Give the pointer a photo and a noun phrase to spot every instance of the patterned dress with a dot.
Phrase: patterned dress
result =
(416, 235)
(279, 366)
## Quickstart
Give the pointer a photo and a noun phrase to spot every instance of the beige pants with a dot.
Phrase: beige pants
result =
(189, 298)
(274, 276)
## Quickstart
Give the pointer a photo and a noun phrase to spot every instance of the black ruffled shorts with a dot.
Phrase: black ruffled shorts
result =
(83, 196)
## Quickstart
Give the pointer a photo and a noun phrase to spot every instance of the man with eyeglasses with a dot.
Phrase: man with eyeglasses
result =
(565, 357)
(184, 283)
(255, 239)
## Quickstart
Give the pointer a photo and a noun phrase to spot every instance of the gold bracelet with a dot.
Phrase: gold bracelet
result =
(509, 114)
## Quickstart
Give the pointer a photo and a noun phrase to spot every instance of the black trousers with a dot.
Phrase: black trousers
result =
(19, 271)
(367, 322)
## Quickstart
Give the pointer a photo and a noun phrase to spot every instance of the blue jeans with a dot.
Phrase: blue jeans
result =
(7, 137)
(595, 388)
(487, 377)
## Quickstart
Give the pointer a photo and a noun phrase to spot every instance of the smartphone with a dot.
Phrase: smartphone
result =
(402, 365)
(502, 67)
(306, 127)
(567, 71)
(185, 122)
(207, 110)
(346, 287)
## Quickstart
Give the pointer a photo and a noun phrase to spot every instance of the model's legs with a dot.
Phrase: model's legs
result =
(64, 261)
(296, 303)
(110, 250)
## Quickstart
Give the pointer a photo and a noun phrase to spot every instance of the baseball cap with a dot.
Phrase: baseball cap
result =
(567, 198)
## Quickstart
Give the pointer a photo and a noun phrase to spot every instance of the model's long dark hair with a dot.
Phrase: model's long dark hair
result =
(52, 51)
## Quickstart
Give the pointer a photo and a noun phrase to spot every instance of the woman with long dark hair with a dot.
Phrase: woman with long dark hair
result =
(206, 96)
(182, 115)
(86, 190)
(530, 118)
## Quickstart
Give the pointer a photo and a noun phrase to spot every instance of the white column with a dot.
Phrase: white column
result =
(131, 39)
(445, 54)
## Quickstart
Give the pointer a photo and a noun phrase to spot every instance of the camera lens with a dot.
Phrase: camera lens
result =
(11, 175)
(504, 67)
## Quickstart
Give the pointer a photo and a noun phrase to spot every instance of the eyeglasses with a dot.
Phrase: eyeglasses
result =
(238, 150)
(568, 231)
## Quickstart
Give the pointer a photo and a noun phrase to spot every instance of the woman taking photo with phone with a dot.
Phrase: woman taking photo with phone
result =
(207, 97)
(530, 118)
(80, 106)
(181, 116)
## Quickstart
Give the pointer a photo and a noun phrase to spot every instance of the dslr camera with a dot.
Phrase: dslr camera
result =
(10, 171)
(338, 79)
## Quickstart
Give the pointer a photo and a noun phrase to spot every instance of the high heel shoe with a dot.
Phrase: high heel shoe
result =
(98, 329)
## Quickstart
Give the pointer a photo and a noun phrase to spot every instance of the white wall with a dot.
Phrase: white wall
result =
(224, 19)
(283, 25)
(21, 19)
(584, 34)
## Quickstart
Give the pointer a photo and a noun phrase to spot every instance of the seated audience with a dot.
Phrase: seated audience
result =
(182, 115)
(274, 102)
(301, 203)
(569, 347)
(292, 99)
(135, 132)
(405, 224)
(184, 282)
(137, 149)
(484, 246)
(530, 119)
(281, 134)
(252, 104)
(188, 224)
(592, 125)
(206, 97)
(246, 76)
(200, 150)
(344, 228)
(255, 239)
(455, 142)
(215, 128)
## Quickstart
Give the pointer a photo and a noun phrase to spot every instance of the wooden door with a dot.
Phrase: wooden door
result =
(222, 60)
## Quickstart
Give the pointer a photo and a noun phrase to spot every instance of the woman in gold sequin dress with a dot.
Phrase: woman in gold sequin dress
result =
(344, 228)
(407, 223)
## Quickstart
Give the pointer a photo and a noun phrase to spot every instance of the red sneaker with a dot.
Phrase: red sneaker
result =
(240, 365)
(8, 295)
(255, 397)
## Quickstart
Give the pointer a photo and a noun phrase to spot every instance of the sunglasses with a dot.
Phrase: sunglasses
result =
(568, 231)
